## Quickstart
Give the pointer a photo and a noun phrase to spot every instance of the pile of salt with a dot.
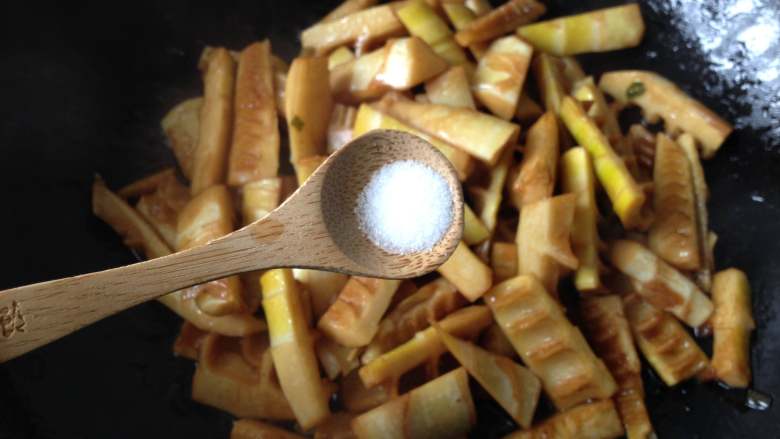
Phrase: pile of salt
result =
(405, 208)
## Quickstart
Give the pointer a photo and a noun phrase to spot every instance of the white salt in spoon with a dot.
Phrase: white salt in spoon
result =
(318, 227)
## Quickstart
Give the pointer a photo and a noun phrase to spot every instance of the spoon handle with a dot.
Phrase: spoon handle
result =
(34, 315)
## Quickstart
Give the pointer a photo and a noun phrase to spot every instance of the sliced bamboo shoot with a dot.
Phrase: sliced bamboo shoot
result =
(259, 198)
(355, 81)
(513, 386)
(550, 81)
(666, 345)
(340, 56)
(336, 360)
(451, 88)
(148, 184)
(347, 7)
(181, 126)
(536, 179)
(601, 30)
(595, 420)
(474, 231)
(292, 348)
(657, 96)
(501, 74)
(353, 319)
(467, 272)
(460, 15)
(216, 120)
(306, 166)
(626, 196)
(441, 408)
(577, 178)
(503, 260)
(409, 62)
(309, 103)
(372, 24)
(506, 18)
(161, 208)
(425, 345)
(732, 324)
(421, 21)
(488, 200)
(548, 343)
(660, 284)
(324, 287)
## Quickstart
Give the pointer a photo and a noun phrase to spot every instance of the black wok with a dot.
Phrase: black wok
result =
(83, 88)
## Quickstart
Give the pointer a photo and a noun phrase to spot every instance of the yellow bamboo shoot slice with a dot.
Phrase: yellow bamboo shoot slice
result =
(626, 196)
(536, 179)
(431, 302)
(657, 96)
(673, 235)
(353, 319)
(259, 198)
(254, 154)
(451, 88)
(550, 81)
(601, 30)
(610, 336)
(701, 192)
(370, 118)
(513, 386)
(666, 345)
(421, 21)
(252, 429)
(488, 200)
(425, 345)
(309, 103)
(323, 286)
(355, 81)
(161, 208)
(440, 408)
(596, 420)
(577, 178)
(503, 260)
(661, 284)
(216, 118)
(474, 231)
(340, 56)
(181, 126)
(506, 18)
(548, 343)
(732, 324)
(408, 63)
(481, 135)
(347, 7)
(226, 380)
(460, 15)
(467, 272)
(372, 24)
(500, 75)
(292, 348)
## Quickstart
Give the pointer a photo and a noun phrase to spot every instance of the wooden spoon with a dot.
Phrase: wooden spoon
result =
(315, 228)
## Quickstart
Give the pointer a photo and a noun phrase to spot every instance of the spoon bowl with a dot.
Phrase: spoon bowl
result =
(316, 227)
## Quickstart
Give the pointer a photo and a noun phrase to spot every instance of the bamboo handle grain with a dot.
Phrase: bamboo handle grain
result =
(33, 315)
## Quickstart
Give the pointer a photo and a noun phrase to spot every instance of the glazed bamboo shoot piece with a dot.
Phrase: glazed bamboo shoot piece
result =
(259, 198)
(336, 359)
(148, 184)
(408, 63)
(480, 135)
(732, 323)
(513, 386)
(538, 171)
(467, 272)
(216, 120)
(292, 348)
(495, 341)
(430, 303)
(626, 195)
(657, 96)
(421, 21)
(577, 178)
(355, 81)
(548, 343)
(474, 231)
(353, 319)
(488, 200)
(701, 193)
(660, 284)
(181, 126)
(451, 88)
(309, 103)
(252, 429)
(424, 346)
(254, 154)
(666, 345)
(226, 380)
(549, 80)
(500, 75)
(347, 7)
(506, 18)
(601, 30)
(673, 235)
(503, 260)
(324, 287)
(370, 118)
(206, 217)
(609, 334)
(339, 57)
(460, 16)
(543, 239)
(161, 208)
(596, 420)
(370, 24)
(440, 408)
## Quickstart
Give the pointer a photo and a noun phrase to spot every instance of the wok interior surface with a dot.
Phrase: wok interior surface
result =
(85, 87)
